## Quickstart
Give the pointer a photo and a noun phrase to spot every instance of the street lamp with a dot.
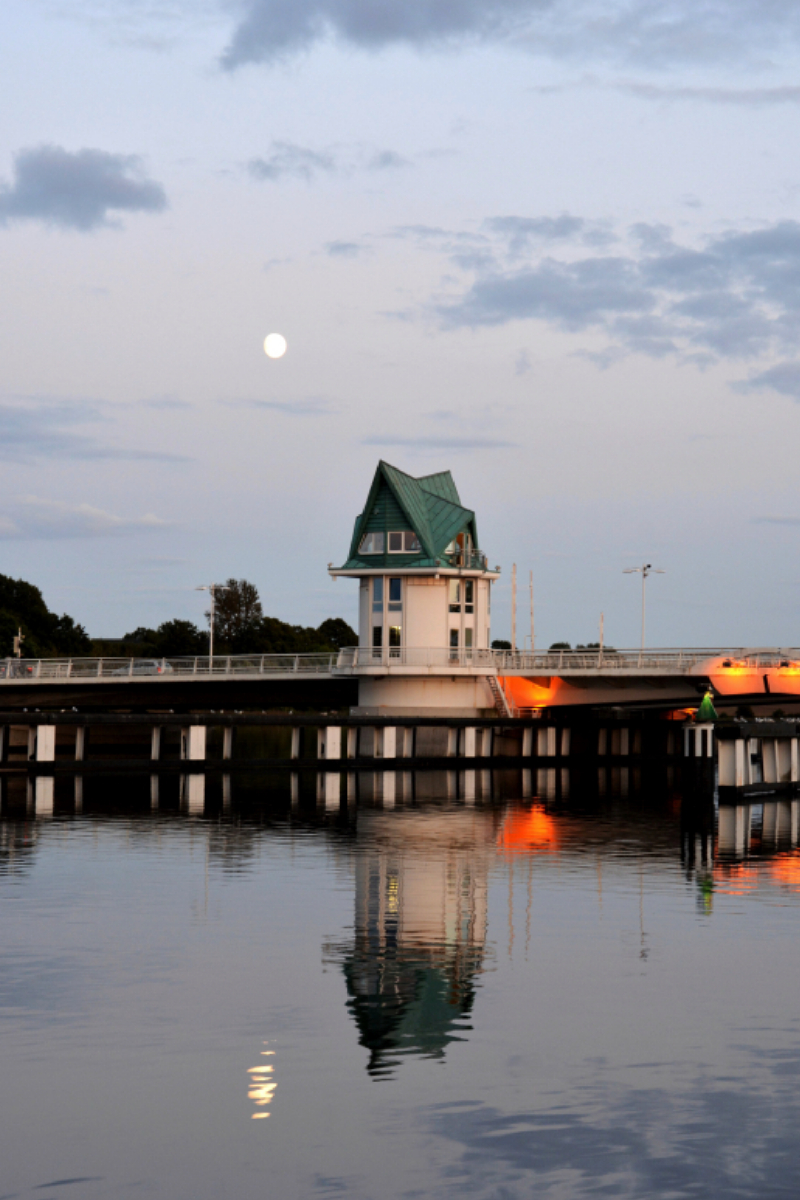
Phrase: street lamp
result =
(645, 570)
(212, 589)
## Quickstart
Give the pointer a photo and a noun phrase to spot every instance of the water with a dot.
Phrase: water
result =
(495, 1000)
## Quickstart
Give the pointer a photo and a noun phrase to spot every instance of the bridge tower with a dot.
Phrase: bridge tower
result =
(424, 596)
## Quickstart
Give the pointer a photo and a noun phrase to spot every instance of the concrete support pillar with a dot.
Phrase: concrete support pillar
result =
(452, 743)
(564, 783)
(155, 743)
(794, 760)
(784, 822)
(794, 821)
(294, 789)
(566, 742)
(486, 784)
(408, 741)
(389, 748)
(81, 740)
(351, 787)
(602, 741)
(227, 742)
(193, 743)
(769, 759)
(727, 764)
(78, 794)
(193, 792)
(329, 742)
(44, 792)
(226, 793)
(44, 743)
(295, 751)
(733, 835)
(154, 792)
(352, 742)
(740, 762)
(468, 748)
(527, 783)
(5, 740)
(31, 742)
(527, 743)
(625, 742)
(469, 787)
(389, 787)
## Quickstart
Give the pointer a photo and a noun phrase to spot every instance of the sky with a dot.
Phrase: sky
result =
(550, 245)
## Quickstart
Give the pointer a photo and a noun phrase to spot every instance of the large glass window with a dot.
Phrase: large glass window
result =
(467, 639)
(395, 595)
(377, 594)
(377, 636)
(469, 595)
(455, 595)
(395, 636)
(372, 543)
(453, 639)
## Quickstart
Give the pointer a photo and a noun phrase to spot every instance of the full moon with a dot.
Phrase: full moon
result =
(274, 345)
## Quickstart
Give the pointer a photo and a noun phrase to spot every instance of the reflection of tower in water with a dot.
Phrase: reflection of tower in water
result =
(420, 930)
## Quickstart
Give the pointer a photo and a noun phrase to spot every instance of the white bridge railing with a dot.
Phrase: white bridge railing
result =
(355, 659)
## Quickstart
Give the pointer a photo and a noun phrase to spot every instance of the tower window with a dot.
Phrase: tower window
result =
(372, 543)
(395, 595)
(469, 595)
(455, 595)
(377, 594)
(403, 541)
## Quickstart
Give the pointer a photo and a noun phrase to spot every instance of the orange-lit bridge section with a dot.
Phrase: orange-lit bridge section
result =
(761, 677)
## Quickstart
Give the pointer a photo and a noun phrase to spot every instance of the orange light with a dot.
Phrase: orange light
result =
(528, 831)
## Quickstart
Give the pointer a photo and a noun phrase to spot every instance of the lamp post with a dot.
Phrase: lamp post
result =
(212, 589)
(645, 570)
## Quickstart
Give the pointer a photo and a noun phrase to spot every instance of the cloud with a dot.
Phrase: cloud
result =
(438, 443)
(164, 403)
(306, 406)
(743, 97)
(286, 158)
(344, 249)
(34, 517)
(784, 377)
(633, 31)
(36, 428)
(776, 520)
(732, 296)
(77, 191)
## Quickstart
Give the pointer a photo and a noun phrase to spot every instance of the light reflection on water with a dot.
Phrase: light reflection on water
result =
(591, 992)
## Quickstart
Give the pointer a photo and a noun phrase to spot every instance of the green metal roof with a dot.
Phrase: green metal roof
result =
(430, 506)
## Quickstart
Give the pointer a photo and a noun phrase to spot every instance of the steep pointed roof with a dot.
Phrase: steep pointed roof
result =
(430, 506)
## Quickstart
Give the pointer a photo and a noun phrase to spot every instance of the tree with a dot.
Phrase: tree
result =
(237, 615)
(338, 633)
(500, 644)
(560, 646)
(46, 635)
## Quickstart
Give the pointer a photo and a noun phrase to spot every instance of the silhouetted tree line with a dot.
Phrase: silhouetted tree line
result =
(240, 627)
(46, 634)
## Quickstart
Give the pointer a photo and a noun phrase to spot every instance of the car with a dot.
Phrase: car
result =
(145, 666)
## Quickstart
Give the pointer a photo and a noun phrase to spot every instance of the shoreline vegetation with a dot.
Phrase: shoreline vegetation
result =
(240, 627)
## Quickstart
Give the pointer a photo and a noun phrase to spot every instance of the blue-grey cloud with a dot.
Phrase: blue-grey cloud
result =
(285, 158)
(733, 296)
(344, 249)
(77, 190)
(743, 97)
(784, 377)
(634, 31)
(776, 520)
(32, 517)
(384, 160)
(36, 428)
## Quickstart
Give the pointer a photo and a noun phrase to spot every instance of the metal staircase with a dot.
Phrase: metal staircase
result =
(501, 704)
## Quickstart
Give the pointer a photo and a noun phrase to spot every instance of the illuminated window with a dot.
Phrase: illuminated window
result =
(455, 595)
(469, 595)
(372, 543)
(395, 595)
(395, 634)
(377, 594)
